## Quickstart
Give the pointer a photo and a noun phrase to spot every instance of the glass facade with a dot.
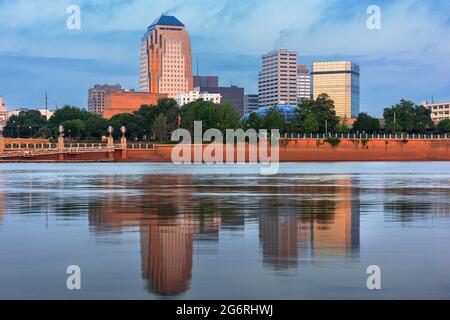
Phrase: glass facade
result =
(340, 81)
(287, 111)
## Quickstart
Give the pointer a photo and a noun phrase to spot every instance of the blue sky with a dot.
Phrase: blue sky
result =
(408, 58)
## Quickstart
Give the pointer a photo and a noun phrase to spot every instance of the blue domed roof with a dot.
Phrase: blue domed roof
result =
(164, 20)
(287, 111)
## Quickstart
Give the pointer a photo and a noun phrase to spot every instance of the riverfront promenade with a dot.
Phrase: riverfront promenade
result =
(292, 148)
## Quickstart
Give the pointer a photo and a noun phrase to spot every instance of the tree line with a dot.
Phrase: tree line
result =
(157, 122)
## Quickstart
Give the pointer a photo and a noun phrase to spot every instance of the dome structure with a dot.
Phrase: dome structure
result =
(288, 112)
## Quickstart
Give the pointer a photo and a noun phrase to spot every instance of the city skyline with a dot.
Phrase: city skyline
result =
(395, 61)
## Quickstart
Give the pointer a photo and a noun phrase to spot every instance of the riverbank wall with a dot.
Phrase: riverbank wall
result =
(290, 150)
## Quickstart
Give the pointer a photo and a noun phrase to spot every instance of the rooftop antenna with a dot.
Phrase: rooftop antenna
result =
(46, 102)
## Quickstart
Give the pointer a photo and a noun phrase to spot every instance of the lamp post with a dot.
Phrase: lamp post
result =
(61, 137)
(2, 140)
(123, 142)
(110, 138)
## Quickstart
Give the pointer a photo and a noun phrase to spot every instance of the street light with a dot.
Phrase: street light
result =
(110, 130)
(61, 130)
(123, 130)
(1, 130)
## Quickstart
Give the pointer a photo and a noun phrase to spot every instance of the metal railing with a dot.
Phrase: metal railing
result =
(367, 136)
(140, 146)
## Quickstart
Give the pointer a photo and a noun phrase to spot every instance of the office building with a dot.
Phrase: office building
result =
(185, 98)
(206, 81)
(233, 94)
(96, 97)
(340, 81)
(251, 103)
(439, 111)
(303, 83)
(166, 58)
(277, 81)
(47, 113)
(128, 101)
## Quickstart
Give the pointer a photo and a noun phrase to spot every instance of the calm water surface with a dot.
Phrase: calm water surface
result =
(160, 231)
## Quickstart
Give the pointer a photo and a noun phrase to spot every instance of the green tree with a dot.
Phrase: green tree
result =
(343, 126)
(408, 117)
(74, 129)
(444, 126)
(292, 126)
(322, 110)
(228, 117)
(422, 120)
(309, 124)
(68, 113)
(199, 110)
(366, 123)
(26, 124)
(159, 127)
(253, 121)
(273, 120)
(133, 123)
(95, 127)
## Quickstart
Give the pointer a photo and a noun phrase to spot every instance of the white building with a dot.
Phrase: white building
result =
(185, 98)
(44, 112)
(303, 83)
(277, 81)
(439, 111)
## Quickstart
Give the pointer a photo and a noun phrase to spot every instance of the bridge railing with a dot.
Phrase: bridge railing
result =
(30, 146)
(85, 146)
(140, 146)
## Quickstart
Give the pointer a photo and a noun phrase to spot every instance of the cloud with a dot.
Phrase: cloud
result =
(407, 58)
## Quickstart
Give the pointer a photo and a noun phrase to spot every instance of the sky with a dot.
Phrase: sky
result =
(408, 58)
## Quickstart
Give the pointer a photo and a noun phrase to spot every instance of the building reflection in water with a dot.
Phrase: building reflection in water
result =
(173, 212)
(166, 234)
(321, 220)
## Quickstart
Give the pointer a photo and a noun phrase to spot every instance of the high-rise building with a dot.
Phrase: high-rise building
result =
(3, 112)
(303, 83)
(278, 78)
(251, 103)
(233, 94)
(439, 111)
(166, 58)
(206, 81)
(96, 97)
(340, 81)
(185, 98)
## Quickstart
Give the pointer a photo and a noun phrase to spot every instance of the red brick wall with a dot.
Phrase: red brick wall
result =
(310, 150)
(298, 151)
(127, 102)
